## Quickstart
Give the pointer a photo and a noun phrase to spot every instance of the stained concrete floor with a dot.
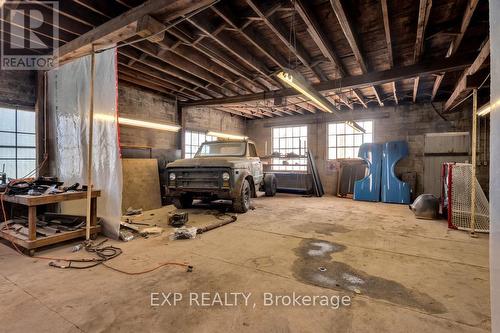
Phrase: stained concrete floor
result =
(401, 275)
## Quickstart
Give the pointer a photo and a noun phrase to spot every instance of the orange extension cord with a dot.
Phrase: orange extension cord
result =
(189, 267)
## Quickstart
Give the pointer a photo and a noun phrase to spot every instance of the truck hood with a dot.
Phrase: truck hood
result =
(210, 162)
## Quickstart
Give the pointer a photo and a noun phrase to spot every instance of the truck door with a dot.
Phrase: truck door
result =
(257, 172)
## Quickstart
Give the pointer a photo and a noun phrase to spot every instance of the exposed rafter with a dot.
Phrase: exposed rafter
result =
(388, 41)
(424, 10)
(352, 39)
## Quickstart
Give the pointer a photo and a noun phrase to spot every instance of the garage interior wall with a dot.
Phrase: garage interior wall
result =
(405, 122)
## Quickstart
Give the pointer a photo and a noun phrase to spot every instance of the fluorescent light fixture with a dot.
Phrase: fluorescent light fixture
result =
(484, 110)
(137, 123)
(295, 80)
(228, 136)
(147, 124)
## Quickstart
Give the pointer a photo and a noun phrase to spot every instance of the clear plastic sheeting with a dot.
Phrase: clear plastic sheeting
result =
(69, 107)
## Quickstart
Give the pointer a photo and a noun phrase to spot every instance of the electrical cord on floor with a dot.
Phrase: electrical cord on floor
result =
(103, 254)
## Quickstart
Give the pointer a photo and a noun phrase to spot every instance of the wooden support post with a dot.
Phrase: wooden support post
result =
(90, 143)
(32, 222)
(473, 161)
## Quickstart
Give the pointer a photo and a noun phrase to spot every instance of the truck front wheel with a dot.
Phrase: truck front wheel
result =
(241, 204)
(183, 202)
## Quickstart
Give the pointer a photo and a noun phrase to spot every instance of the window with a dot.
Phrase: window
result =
(253, 151)
(17, 142)
(290, 144)
(193, 141)
(223, 149)
(344, 141)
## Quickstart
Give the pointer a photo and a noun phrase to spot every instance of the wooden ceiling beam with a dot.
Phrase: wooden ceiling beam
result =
(424, 10)
(352, 39)
(469, 12)
(124, 26)
(147, 84)
(234, 48)
(461, 86)
(360, 81)
(178, 76)
(284, 36)
(321, 40)
(388, 41)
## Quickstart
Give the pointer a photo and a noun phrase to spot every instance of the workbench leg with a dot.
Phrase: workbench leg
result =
(93, 217)
(32, 222)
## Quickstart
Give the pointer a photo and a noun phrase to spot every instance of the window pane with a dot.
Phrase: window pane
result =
(349, 140)
(26, 140)
(340, 153)
(25, 167)
(26, 153)
(289, 140)
(7, 119)
(9, 166)
(341, 141)
(358, 140)
(332, 153)
(340, 128)
(7, 139)
(26, 121)
(187, 140)
(367, 138)
(7, 153)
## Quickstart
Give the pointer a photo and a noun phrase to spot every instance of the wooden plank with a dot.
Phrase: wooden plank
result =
(141, 184)
(388, 41)
(469, 11)
(125, 26)
(352, 39)
(29, 200)
(461, 87)
(32, 222)
(352, 82)
(424, 10)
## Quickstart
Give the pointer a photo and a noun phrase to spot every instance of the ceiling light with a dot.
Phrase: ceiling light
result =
(147, 124)
(228, 136)
(137, 123)
(484, 110)
(295, 80)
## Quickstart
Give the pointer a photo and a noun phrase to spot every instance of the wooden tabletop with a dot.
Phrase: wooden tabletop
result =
(30, 200)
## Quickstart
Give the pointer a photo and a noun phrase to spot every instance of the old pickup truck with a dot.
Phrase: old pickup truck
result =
(229, 170)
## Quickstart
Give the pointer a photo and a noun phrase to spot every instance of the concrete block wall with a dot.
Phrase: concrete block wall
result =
(141, 104)
(406, 122)
(18, 88)
(207, 118)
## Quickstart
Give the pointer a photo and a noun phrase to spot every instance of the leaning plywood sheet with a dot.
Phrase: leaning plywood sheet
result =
(141, 184)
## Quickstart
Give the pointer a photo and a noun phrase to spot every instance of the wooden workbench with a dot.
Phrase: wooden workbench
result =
(32, 242)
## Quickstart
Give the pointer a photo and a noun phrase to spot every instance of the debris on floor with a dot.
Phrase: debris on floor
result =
(184, 233)
(131, 211)
(178, 219)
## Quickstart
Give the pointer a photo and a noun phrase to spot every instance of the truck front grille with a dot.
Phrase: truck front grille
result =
(202, 179)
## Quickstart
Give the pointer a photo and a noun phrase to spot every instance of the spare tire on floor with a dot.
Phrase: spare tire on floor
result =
(270, 185)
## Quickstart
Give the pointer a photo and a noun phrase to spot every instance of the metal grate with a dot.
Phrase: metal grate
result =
(461, 187)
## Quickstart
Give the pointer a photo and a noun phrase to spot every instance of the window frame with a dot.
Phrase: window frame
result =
(345, 146)
(302, 151)
(16, 147)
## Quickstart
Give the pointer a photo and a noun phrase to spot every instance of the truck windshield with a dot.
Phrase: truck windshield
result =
(221, 149)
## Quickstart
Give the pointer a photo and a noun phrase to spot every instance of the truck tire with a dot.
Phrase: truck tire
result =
(270, 185)
(183, 202)
(241, 204)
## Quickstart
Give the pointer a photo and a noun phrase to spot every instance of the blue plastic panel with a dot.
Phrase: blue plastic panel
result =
(393, 189)
(368, 188)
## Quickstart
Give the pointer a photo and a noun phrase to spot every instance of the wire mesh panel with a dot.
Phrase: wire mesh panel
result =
(461, 188)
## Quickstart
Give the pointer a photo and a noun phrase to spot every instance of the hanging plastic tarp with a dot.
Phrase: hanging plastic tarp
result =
(69, 107)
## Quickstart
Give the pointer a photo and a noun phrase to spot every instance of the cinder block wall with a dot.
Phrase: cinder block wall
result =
(141, 104)
(207, 118)
(18, 88)
(406, 122)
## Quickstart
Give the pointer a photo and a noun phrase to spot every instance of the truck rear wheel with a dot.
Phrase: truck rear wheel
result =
(270, 185)
(183, 202)
(241, 204)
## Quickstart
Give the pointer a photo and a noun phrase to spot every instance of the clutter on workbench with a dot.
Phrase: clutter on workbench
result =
(39, 186)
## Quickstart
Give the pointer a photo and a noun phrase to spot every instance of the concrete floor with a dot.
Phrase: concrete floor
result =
(401, 274)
